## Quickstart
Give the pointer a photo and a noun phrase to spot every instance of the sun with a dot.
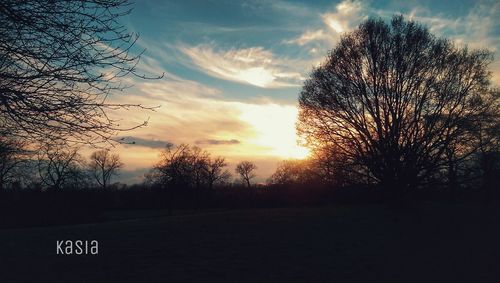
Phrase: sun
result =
(274, 128)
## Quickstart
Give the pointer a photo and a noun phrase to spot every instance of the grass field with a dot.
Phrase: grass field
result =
(429, 243)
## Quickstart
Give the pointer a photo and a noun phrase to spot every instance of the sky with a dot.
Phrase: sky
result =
(233, 70)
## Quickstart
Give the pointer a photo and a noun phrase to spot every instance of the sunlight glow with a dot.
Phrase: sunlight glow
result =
(256, 76)
(335, 25)
(274, 128)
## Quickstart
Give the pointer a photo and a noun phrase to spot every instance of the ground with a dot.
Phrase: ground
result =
(371, 243)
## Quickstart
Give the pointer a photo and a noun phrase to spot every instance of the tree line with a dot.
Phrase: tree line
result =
(54, 167)
(186, 166)
(58, 166)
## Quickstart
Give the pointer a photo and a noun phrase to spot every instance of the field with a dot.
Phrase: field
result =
(370, 243)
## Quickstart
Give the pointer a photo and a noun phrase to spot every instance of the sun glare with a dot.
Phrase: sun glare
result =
(335, 25)
(274, 128)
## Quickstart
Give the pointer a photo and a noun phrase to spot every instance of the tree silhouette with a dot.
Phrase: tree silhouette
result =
(198, 166)
(58, 165)
(486, 138)
(187, 169)
(215, 172)
(12, 155)
(392, 98)
(175, 167)
(59, 62)
(103, 165)
(189, 166)
(291, 172)
(246, 171)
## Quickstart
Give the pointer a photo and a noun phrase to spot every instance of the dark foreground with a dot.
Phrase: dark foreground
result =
(429, 243)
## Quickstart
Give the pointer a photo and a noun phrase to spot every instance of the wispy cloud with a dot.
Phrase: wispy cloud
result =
(234, 129)
(476, 29)
(346, 16)
(144, 142)
(309, 36)
(217, 142)
(254, 66)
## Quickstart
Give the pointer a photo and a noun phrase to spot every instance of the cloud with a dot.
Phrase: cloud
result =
(170, 85)
(233, 129)
(145, 142)
(346, 16)
(477, 29)
(217, 142)
(188, 116)
(254, 66)
(309, 36)
(294, 9)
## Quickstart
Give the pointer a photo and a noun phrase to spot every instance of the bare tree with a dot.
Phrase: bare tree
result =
(59, 62)
(246, 171)
(215, 172)
(286, 173)
(338, 170)
(185, 167)
(103, 165)
(289, 172)
(198, 166)
(175, 167)
(391, 98)
(486, 137)
(58, 165)
(12, 156)
(189, 166)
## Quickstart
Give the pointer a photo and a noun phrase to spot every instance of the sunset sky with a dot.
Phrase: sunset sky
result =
(234, 69)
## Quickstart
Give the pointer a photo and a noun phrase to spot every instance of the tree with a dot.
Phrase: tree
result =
(215, 172)
(291, 172)
(59, 62)
(174, 168)
(186, 168)
(198, 166)
(190, 167)
(336, 169)
(391, 98)
(104, 165)
(59, 165)
(486, 138)
(12, 156)
(246, 171)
